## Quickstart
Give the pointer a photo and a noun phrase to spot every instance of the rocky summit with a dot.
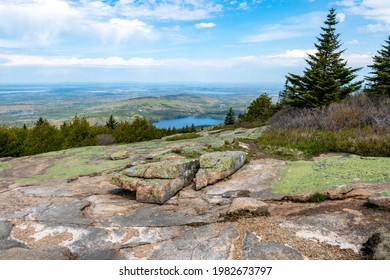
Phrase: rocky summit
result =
(62, 205)
(158, 181)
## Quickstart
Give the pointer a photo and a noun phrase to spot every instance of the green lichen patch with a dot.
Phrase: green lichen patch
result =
(332, 172)
(73, 167)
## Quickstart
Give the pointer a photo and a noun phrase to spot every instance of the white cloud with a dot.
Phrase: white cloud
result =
(168, 9)
(38, 20)
(118, 30)
(358, 59)
(288, 58)
(378, 27)
(24, 60)
(376, 10)
(243, 6)
(205, 25)
(340, 17)
(46, 22)
(41, 22)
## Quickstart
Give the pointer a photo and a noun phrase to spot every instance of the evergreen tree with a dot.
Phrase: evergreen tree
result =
(43, 137)
(77, 133)
(379, 82)
(111, 123)
(327, 79)
(230, 118)
(260, 108)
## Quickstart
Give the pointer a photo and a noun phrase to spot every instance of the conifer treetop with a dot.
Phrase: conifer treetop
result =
(379, 81)
(327, 78)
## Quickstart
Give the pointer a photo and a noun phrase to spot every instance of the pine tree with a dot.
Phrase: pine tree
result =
(111, 123)
(327, 79)
(379, 82)
(260, 108)
(230, 118)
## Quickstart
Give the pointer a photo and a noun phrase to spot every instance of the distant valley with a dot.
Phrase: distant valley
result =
(58, 103)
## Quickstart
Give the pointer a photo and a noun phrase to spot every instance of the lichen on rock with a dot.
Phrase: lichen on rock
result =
(217, 166)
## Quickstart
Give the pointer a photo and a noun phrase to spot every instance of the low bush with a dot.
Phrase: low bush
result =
(317, 197)
(358, 125)
(357, 111)
(105, 140)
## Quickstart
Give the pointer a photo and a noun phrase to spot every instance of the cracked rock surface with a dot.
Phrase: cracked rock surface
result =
(61, 206)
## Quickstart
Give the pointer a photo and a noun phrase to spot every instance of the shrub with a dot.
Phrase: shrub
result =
(317, 197)
(359, 125)
(356, 111)
(105, 139)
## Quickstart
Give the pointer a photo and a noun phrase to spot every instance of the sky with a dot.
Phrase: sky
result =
(178, 41)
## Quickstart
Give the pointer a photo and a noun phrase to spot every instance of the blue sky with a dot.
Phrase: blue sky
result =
(248, 41)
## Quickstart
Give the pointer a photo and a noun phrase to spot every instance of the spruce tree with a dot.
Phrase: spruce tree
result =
(327, 78)
(379, 82)
(230, 118)
(111, 123)
(260, 109)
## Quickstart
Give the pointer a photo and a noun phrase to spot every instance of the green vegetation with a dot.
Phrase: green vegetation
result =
(230, 118)
(260, 109)
(182, 137)
(379, 82)
(71, 163)
(327, 78)
(111, 123)
(315, 176)
(317, 197)
(317, 113)
(358, 125)
(44, 137)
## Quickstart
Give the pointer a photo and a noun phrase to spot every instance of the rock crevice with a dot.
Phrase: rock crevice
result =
(157, 182)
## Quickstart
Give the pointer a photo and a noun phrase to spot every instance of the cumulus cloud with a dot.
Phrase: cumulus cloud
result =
(42, 21)
(205, 25)
(376, 10)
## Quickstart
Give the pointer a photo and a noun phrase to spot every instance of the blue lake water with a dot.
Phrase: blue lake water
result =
(188, 121)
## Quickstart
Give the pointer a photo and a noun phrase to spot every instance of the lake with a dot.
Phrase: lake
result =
(188, 121)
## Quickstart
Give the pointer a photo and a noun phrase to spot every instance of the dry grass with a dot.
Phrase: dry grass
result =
(359, 125)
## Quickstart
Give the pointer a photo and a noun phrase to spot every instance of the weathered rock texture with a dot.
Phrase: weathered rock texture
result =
(377, 246)
(61, 206)
(216, 166)
(165, 170)
(159, 181)
(380, 200)
(254, 249)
